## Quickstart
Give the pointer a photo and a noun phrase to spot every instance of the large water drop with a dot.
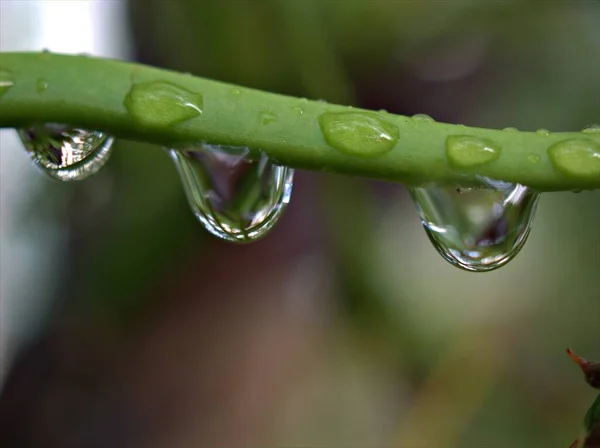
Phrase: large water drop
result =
(162, 104)
(66, 153)
(477, 229)
(358, 133)
(235, 198)
(577, 158)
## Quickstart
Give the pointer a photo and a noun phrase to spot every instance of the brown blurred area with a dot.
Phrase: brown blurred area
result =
(342, 328)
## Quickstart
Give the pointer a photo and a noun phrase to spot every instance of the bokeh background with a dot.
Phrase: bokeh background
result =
(124, 324)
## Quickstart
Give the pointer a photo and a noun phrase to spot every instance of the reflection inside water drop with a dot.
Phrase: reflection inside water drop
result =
(477, 229)
(66, 153)
(236, 198)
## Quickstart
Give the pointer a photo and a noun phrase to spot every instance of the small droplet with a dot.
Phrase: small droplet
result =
(235, 92)
(45, 55)
(6, 80)
(477, 229)
(423, 118)
(543, 131)
(510, 129)
(592, 129)
(267, 117)
(41, 85)
(466, 151)
(66, 153)
(303, 100)
(297, 110)
(235, 198)
(579, 158)
(358, 133)
(162, 104)
(534, 158)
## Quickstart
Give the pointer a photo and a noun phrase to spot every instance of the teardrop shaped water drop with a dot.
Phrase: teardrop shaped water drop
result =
(423, 118)
(468, 151)
(66, 153)
(576, 158)
(235, 198)
(479, 229)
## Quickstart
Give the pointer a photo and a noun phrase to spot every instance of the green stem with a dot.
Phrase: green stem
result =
(90, 92)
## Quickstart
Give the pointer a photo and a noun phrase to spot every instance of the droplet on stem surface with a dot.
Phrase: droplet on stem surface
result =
(591, 129)
(467, 151)
(162, 104)
(235, 198)
(41, 85)
(577, 158)
(358, 133)
(6, 80)
(479, 229)
(423, 118)
(66, 153)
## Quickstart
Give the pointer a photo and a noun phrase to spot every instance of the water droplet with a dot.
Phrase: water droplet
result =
(235, 92)
(66, 153)
(467, 151)
(45, 55)
(592, 129)
(235, 198)
(577, 157)
(479, 229)
(358, 133)
(423, 118)
(267, 117)
(162, 104)
(534, 158)
(543, 131)
(6, 80)
(298, 110)
(41, 85)
(510, 129)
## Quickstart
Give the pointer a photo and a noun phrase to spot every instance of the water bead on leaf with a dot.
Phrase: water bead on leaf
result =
(362, 134)
(66, 153)
(477, 229)
(236, 198)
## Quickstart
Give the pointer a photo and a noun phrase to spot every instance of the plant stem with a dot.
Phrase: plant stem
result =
(90, 92)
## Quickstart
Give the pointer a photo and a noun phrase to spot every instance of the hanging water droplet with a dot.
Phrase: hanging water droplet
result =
(41, 85)
(66, 153)
(543, 131)
(510, 129)
(358, 133)
(6, 80)
(162, 104)
(235, 198)
(578, 157)
(466, 151)
(423, 118)
(479, 229)
(592, 129)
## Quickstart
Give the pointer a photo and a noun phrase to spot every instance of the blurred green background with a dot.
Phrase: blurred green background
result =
(124, 324)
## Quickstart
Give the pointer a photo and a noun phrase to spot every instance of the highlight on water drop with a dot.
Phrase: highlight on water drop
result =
(6, 80)
(477, 229)
(66, 153)
(236, 198)
(467, 151)
(162, 104)
(358, 133)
